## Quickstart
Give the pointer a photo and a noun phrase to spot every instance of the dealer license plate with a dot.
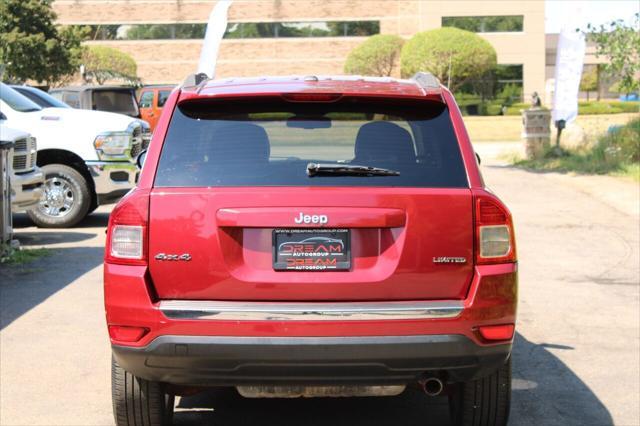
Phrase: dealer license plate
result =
(311, 250)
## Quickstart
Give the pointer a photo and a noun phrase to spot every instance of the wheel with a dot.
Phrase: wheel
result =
(66, 198)
(483, 402)
(138, 402)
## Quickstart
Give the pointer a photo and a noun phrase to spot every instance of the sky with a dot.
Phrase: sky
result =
(583, 12)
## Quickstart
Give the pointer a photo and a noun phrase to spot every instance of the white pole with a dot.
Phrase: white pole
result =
(216, 28)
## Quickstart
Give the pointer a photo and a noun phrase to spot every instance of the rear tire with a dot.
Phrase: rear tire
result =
(65, 200)
(139, 402)
(483, 402)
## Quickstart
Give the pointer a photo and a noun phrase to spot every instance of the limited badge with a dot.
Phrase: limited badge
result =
(448, 259)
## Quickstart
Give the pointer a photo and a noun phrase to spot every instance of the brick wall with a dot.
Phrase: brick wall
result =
(171, 60)
(129, 11)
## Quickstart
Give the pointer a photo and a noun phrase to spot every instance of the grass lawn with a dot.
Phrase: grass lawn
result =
(580, 164)
(614, 153)
(509, 128)
(630, 171)
(24, 256)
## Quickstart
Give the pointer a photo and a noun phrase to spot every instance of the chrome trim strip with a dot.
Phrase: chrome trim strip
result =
(331, 311)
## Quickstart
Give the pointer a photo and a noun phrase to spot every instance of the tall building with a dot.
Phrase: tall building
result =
(271, 37)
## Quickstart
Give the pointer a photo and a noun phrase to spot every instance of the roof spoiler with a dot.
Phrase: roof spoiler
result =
(193, 80)
(426, 80)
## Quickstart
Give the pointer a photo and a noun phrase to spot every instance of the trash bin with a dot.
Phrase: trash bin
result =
(5, 194)
(536, 132)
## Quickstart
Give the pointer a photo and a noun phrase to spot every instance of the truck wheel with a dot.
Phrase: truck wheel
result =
(65, 200)
(483, 402)
(138, 402)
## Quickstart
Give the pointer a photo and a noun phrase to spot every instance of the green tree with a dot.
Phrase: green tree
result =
(32, 47)
(620, 44)
(165, 31)
(589, 80)
(451, 54)
(353, 28)
(250, 30)
(484, 24)
(378, 56)
(104, 63)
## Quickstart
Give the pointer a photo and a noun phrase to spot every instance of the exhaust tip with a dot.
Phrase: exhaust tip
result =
(432, 386)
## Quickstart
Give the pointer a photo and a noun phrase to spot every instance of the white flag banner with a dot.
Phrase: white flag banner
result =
(216, 28)
(569, 61)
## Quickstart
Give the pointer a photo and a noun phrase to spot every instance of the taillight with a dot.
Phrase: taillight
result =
(497, 332)
(126, 333)
(495, 242)
(311, 97)
(127, 241)
(127, 232)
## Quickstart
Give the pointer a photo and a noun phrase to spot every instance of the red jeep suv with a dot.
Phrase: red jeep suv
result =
(311, 236)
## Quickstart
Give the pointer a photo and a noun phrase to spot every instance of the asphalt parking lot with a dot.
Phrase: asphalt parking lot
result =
(576, 358)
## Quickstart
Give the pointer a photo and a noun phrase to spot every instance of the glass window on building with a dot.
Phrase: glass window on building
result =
(509, 74)
(485, 24)
(302, 29)
(145, 31)
(234, 30)
(509, 81)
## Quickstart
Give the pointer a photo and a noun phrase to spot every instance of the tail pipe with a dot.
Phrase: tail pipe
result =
(432, 386)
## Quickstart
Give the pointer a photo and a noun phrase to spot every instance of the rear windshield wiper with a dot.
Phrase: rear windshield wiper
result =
(314, 169)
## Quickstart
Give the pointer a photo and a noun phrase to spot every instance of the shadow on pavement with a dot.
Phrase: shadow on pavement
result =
(545, 391)
(224, 407)
(41, 238)
(24, 286)
(94, 220)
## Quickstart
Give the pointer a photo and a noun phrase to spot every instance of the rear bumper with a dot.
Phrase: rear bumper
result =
(220, 343)
(232, 361)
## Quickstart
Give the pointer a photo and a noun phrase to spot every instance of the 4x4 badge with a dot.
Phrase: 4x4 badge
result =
(162, 256)
(447, 259)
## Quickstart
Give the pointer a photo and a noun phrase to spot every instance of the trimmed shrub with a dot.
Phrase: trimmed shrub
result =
(377, 56)
(105, 63)
(470, 55)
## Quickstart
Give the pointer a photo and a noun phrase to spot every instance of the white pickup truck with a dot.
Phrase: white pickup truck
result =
(88, 157)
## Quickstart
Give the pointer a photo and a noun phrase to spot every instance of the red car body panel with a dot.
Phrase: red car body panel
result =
(396, 232)
(129, 301)
(252, 87)
(235, 262)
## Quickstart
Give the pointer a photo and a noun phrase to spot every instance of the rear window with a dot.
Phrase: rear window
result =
(72, 99)
(267, 143)
(123, 102)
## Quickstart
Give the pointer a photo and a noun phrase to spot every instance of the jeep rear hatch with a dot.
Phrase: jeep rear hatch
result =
(270, 199)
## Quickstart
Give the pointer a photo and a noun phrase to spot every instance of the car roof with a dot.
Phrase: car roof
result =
(158, 86)
(347, 85)
(83, 88)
